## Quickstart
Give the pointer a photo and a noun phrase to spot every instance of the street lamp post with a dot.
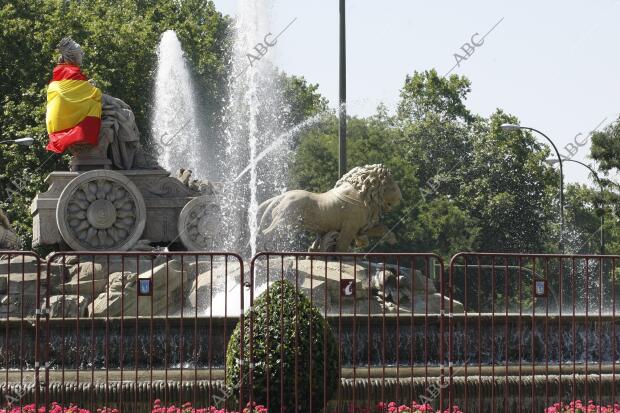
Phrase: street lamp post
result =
(513, 127)
(342, 109)
(21, 141)
(600, 183)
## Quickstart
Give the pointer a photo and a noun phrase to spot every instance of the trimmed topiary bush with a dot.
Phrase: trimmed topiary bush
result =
(289, 336)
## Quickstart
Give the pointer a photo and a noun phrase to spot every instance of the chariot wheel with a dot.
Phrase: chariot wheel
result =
(199, 223)
(101, 210)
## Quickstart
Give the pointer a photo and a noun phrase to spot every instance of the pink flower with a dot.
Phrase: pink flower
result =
(577, 406)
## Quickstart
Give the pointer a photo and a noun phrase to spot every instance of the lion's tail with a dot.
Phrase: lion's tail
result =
(264, 212)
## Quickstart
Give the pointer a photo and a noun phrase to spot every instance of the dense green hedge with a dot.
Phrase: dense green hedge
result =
(289, 336)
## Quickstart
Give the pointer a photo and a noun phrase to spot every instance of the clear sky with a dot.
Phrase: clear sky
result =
(554, 64)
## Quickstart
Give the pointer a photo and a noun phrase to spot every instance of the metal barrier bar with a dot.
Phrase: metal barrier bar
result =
(20, 274)
(497, 332)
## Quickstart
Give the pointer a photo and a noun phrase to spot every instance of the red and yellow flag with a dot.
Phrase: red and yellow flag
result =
(73, 109)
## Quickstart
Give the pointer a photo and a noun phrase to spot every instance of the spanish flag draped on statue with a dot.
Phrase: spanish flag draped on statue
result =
(73, 109)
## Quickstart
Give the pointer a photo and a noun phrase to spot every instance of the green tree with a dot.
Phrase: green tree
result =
(444, 226)
(436, 129)
(315, 166)
(508, 188)
(427, 93)
(605, 150)
(584, 207)
(605, 147)
(302, 98)
(467, 185)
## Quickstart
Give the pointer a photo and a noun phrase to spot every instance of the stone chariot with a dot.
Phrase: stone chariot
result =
(118, 210)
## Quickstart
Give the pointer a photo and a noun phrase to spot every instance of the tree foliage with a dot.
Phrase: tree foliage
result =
(606, 147)
(589, 204)
(509, 189)
(466, 184)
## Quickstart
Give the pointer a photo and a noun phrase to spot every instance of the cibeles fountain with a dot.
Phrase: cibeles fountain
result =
(117, 196)
(135, 233)
(136, 282)
(135, 209)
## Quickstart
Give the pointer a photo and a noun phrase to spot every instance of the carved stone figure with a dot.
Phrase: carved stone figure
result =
(8, 239)
(115, 196)
(352, 209)
(100, 130)
(119, 141)
(201, 185)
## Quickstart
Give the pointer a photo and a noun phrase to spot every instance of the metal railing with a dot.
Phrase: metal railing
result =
(534, 330)
(492, 332)
(385, 315)
(20, 280)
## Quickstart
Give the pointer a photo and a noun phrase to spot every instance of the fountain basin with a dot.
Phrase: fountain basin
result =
(376, 340)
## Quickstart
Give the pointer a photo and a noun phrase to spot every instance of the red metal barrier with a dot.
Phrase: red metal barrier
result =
(536, 330)
(385, 314)
(515, 332)
(121, 330)
(19, 280)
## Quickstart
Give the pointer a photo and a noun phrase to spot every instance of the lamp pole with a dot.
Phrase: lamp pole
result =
(600, 184)
(342, 108)
(21, 141)
(511, 127)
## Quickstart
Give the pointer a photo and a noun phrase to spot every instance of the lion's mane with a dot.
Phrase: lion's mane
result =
(371, 182)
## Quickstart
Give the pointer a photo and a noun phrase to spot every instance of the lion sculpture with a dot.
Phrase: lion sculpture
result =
(348, 212)
(8, 239)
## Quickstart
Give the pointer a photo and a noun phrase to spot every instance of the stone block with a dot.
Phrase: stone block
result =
(68, 305)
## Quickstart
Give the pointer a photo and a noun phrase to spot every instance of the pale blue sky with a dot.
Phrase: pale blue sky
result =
(554, 64)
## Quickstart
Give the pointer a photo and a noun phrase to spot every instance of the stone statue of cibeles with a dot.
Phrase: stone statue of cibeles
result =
(115, 197)
(118, 144)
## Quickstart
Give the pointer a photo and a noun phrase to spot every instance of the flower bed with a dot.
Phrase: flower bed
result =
(54, 408)
(577, 406)
(187, 408)
(157, 408)
(391, 407)
(414, 407)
